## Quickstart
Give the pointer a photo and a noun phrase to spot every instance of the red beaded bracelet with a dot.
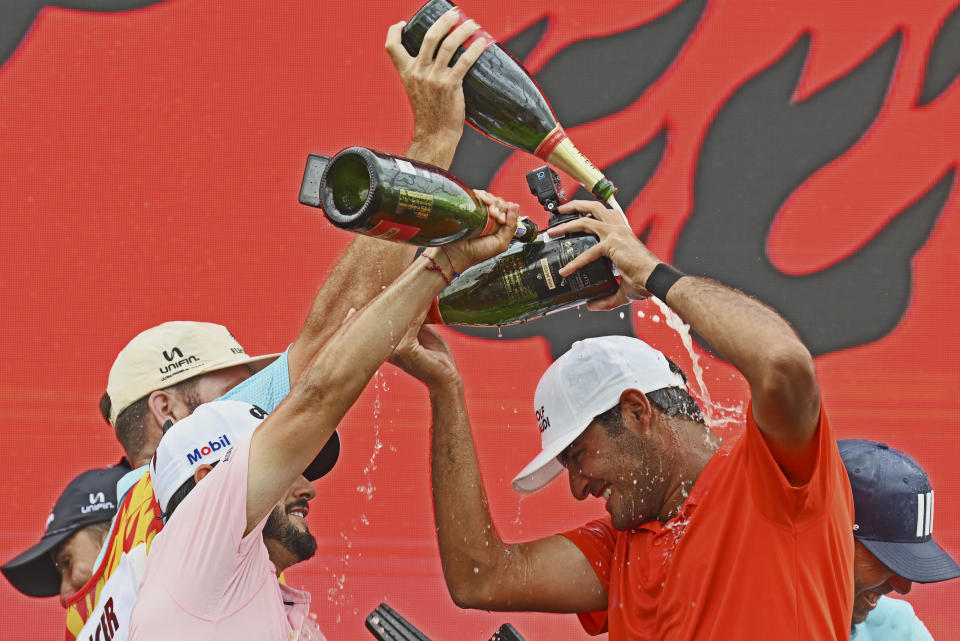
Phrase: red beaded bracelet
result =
(435, 267)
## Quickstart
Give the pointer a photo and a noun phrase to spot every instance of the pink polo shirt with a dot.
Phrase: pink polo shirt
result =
(205, 580)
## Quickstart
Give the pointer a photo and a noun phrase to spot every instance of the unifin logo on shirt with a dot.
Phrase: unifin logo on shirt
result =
(211, 446)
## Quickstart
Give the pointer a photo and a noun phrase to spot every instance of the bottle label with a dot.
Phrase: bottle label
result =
(407, 167)
(415, 203)
(568, 158)
(550, 142)
(479, 33)
(490, 226)
(390, 230)
(511, 274)
(522, 230)
(581, 279)
(524, 282)
(547, 275)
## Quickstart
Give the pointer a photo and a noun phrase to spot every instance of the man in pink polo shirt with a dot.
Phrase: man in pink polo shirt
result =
(203, 568)
(209, 574)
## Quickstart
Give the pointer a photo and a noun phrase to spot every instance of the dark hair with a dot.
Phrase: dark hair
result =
(131, 422)
(181, 493)
(672, 401)
(130, 427)
(105, 406)
(178, 496)
(612, 420)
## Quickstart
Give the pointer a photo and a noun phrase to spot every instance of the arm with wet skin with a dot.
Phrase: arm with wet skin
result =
(435, 91)
(752, 336)
(481, 571)
(292, 435)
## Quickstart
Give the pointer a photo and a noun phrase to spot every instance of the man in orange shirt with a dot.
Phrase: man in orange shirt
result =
(750, 539)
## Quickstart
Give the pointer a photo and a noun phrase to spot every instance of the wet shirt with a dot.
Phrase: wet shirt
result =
(748, 556)
(205, 580)
(103, 606)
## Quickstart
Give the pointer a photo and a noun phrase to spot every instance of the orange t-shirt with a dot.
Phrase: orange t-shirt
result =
(747, 557)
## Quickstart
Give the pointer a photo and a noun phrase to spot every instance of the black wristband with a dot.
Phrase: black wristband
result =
(661, 279)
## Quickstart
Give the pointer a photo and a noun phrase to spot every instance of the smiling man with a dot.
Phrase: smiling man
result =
(750, 539)
(893, 501)
(163, 378)
(217, 515)
(207, 534)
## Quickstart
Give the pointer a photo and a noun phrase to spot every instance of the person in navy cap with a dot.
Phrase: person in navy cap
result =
(893, 530)
(62, 561)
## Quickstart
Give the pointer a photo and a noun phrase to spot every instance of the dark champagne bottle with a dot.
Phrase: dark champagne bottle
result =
(504, 102)
(522, 283)
(393, 198)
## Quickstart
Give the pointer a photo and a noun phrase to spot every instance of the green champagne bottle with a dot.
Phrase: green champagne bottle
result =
(393, 198)
(523, 283)
(505, 103)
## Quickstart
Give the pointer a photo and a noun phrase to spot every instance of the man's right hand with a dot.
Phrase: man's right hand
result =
(470, 251)
(617, 242)
(426, 356)
(434, 88)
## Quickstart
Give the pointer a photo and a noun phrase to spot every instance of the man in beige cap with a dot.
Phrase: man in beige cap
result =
(167, 371)
(164, 373)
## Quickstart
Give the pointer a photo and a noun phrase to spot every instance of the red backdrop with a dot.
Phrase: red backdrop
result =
(150, 162)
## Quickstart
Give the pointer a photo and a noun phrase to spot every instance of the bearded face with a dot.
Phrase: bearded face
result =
(286, 533)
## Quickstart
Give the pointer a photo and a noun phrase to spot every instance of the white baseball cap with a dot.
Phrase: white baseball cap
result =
(206, 435)
(203, 437)
(583, 383)
(172, 353)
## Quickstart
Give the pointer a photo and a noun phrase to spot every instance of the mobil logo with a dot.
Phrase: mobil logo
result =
(211, 446)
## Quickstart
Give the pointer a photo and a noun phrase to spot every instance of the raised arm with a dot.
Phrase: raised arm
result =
(753, 337)
(287, 440)
(435, 92)
(481, 571)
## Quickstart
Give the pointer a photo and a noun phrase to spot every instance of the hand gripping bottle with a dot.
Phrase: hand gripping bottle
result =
(505, 103)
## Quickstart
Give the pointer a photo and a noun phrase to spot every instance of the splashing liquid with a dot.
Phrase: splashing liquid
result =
(368, 487)
(518, 520)
(676, 323)
(716, 415)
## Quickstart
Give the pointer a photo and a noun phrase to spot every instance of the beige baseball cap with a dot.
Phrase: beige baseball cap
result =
(171, 353)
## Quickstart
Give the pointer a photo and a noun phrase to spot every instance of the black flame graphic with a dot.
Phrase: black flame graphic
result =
(759, 149)
(17, 17)
(943, 67)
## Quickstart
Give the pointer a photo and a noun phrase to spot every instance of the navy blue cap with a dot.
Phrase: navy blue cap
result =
(90, 498)
(893, 502)
(324, 460)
